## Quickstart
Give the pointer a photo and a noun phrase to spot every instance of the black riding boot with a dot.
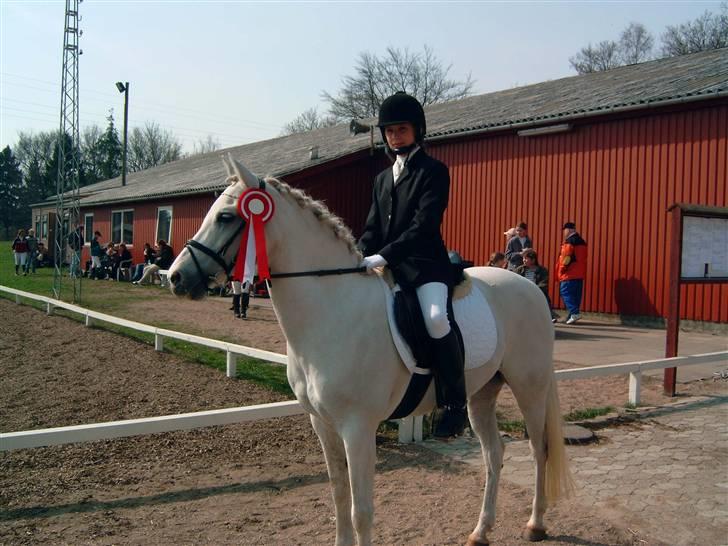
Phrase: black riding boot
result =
(450, 386)
(236, 305)
(246, 303)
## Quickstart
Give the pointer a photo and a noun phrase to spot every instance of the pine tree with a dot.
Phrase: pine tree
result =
(109, 151)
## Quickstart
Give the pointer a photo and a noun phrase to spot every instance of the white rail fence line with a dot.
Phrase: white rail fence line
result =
(410, 428)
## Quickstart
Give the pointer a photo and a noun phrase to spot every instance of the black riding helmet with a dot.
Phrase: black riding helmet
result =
(402, 108)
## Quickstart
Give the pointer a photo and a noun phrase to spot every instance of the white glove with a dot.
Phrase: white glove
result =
(370, 262)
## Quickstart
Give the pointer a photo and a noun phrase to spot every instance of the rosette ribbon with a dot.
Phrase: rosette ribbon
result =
(256, 208)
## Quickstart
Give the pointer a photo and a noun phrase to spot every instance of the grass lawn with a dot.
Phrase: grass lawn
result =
(119, 299)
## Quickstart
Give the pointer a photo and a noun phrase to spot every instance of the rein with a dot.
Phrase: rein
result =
(318, 272)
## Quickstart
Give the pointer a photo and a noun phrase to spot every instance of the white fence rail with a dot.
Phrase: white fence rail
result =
(410, 429)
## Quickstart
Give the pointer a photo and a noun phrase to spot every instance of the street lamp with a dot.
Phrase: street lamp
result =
(124, 88)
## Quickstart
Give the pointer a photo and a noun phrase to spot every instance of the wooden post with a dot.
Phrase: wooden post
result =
(17, 299)
(406, 430)
(49, 308)
(635, 381)
(89, 321)
(158, 342)
(419, 424)
(232, 361)
(673, 313)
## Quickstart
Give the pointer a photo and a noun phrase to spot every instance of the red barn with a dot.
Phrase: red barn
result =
(610, 151)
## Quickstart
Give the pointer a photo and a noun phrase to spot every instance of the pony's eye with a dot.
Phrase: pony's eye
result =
(225, 217)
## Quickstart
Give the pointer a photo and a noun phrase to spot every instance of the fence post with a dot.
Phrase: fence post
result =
(406, 430)
(232, 364)
(419, 425)
(89, 321)
(17, 299)
(635, 380)
(158, 342)
(49, 308)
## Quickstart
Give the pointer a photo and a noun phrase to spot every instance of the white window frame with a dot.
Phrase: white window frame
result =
(168, 239)
(130, 244)
(88, 233)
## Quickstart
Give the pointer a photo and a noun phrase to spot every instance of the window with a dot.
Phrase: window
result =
(38, 232)
(88, 228)
(122, 226)
(164, 224)
(44, 228)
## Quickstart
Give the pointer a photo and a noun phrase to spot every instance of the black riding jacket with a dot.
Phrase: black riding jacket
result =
(403, 224)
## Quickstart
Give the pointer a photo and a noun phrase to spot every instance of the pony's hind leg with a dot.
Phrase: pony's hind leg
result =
(533, 407)
(481, 408)
(335, 456)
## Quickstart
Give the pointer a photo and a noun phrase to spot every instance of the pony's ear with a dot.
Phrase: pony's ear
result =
(248, 178)
(228, 166)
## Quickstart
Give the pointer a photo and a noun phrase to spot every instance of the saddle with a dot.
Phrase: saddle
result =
(411, 326)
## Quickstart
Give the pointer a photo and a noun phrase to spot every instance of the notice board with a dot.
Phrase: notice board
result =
(704, 248)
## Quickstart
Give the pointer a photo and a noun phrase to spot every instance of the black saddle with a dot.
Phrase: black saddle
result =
(411, 325)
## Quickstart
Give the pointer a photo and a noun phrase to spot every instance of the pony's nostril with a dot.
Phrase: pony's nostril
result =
(175, 277)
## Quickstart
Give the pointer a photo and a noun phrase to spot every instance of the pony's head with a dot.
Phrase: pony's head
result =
(209, 257)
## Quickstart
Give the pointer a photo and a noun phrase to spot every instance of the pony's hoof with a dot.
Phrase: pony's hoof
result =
(473, 541)
(535, 535)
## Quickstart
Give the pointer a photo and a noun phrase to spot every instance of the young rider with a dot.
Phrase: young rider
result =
(403, 232)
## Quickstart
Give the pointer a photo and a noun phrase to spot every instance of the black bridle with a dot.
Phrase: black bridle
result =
(219, 257)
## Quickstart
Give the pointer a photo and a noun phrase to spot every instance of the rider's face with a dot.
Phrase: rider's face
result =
(400, 135)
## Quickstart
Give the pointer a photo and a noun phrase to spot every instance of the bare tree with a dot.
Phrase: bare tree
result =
(210, 144)
(308, 121)
(151, 146)
(603, 56)
(422, 75)
(635, 44)
(709, 31)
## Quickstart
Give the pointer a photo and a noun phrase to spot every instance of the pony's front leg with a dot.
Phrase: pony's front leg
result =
(336, 463)
(360, 444)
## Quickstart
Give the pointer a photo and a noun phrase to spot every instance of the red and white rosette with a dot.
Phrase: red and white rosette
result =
(256, 208)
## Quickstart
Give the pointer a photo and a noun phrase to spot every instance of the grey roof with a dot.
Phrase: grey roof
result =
(698, 76)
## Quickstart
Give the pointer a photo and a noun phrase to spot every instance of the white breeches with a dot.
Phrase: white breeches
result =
(239, 287)
(433, 302)
(95, 261)
(20, 258)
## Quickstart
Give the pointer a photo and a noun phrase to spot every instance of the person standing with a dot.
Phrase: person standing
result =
(96, 253)
(20, 252)
(516, 245)
(75, 242)
(32, 242)
(571, 268)
(402, 231)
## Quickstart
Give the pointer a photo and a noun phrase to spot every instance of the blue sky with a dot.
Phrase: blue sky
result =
(238, 71)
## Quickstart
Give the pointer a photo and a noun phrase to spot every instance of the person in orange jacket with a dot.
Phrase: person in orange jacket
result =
(571, 269)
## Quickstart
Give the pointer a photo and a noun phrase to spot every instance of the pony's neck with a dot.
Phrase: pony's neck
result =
(303, 303)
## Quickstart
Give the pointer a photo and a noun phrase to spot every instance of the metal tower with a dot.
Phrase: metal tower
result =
(67, 182)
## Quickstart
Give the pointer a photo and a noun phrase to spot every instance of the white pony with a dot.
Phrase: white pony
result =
(343, 365)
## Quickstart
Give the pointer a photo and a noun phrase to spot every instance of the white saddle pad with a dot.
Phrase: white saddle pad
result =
(476, 323)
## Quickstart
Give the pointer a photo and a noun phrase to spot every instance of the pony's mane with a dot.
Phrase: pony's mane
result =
(319, 210)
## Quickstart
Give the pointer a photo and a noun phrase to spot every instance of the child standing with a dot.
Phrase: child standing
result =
(20, 252)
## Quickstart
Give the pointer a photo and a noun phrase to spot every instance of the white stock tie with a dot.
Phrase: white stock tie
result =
(398, 167)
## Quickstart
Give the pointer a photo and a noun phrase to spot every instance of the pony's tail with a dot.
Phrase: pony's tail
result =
(558, 479)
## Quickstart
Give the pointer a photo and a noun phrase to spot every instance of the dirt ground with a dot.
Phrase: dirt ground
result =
(255, 483)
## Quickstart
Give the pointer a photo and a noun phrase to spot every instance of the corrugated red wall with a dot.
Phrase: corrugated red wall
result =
(187, 215)
(614, 177)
